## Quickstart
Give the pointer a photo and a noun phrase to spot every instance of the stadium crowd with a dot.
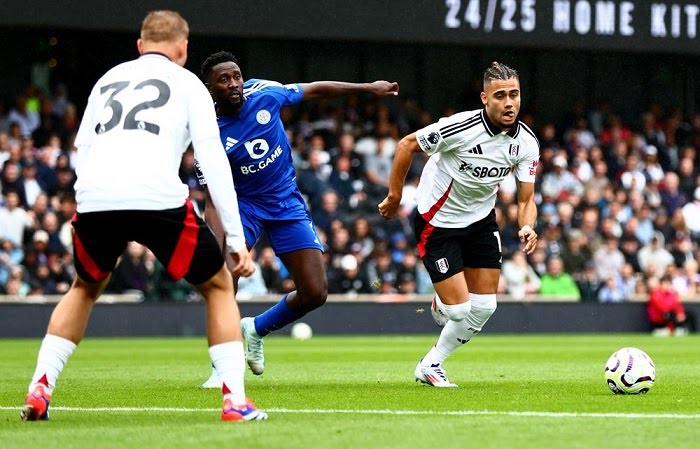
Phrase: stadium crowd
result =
(619, 204)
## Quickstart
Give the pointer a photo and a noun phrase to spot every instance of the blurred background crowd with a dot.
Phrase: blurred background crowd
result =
(619, 203)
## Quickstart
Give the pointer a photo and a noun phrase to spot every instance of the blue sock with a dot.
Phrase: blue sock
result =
(276, 317)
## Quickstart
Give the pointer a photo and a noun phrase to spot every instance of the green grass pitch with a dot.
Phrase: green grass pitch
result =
(515, 391)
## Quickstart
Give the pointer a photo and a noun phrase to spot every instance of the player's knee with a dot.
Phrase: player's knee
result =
(312, 298)
(483, 306)
(457, 312)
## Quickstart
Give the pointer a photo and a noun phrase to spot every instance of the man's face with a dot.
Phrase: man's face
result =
(226, 84)
(502, 101)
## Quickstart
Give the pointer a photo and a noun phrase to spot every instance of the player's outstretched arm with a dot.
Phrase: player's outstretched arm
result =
(330, 89)
(527, 215)
(403, 157)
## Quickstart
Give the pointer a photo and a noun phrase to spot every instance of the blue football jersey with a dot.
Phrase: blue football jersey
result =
(256, 143)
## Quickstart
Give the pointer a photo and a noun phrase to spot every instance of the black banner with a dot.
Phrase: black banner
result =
(625, 25)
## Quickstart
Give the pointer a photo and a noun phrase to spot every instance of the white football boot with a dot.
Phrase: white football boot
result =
(253, 345)
(432, 375)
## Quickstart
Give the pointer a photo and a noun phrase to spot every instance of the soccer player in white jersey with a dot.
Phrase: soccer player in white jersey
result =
(458, 239)
(139, 120)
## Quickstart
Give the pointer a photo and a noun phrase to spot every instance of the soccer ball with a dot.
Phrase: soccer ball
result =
(301, 331)
(630, 371)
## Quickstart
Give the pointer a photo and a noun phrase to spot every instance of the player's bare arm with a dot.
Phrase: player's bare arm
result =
(329, 89)
(527, 215)
(403, 157)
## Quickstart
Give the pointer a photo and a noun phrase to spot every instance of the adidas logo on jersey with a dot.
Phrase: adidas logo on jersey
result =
(476, 150)
(230, 142)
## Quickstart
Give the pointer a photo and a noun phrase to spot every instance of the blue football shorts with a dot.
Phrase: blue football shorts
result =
(287, 223)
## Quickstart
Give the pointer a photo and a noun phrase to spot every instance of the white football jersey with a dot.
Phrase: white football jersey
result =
(469, 157)
(140, 118)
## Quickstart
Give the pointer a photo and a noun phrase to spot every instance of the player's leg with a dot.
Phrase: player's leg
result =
(467, 298)
(441, 255)
(94, 257)
(187, 248)
(297, 244)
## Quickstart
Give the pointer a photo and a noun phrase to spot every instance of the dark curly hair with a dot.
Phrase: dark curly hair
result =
(214, 59)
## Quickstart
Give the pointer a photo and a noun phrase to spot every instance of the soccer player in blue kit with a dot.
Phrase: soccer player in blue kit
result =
(268, 197)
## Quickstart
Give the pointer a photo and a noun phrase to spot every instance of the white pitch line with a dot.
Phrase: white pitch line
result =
(525, 414)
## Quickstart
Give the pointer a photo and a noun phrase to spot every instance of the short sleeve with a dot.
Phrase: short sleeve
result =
(430, 139)
(526, 169)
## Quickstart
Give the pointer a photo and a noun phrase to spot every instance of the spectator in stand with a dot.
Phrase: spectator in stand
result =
(346, 147)
(132, 272)
(11, 181)
(575, 253)
(579, 134)
(645, 224)
(30, 184)
(14, 220)
(556, 284)
(691, 214)
(671, 196)
(313, 179)
(685, 279)
(611, 291)
(615, 131)
(521, 280)
(362, 235)
(17, 284)
(599, 179)
(378, 167)
(10, 255)
(650, 165)
(324, 215)
(686, 176)
(253, 285)
(629, 246)
(560, 183)
(608, 259)
(345, 277)
(632, 177)
(681, 249)
(665, 311)
(651, 131)
(27, 120)
(342, 181)
(628, 281)
(270, 270)
(653, 257)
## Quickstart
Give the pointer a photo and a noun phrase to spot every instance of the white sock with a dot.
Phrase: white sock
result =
(457, 333)
(451, 338)
(229, 362)
(53, 355)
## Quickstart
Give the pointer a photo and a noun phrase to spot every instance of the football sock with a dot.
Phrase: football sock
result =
(276, 317)
(229, 360)
(483, 306)
(451, 338)
(457, 333)
(53, 355)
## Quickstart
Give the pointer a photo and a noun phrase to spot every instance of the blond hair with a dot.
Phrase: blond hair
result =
(164, 26)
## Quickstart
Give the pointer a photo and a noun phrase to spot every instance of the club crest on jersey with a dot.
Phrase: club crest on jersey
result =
(263, 116)
(514, 149)
(442, 265)
(433, 138)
